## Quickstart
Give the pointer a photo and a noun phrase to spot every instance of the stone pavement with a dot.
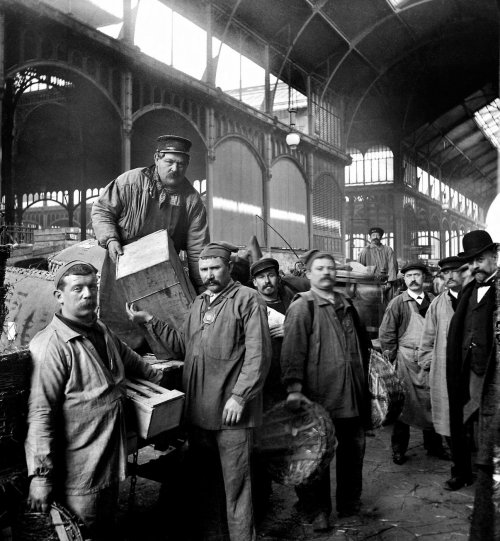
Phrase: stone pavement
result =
(399, 503)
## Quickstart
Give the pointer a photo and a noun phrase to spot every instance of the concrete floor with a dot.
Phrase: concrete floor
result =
(399, 503)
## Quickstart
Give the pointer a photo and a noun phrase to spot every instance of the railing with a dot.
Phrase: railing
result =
(16, 234)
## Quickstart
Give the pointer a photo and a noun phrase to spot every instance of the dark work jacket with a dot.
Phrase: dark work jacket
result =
(457, 371)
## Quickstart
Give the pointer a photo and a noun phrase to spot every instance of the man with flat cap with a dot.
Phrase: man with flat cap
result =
(76, 448)
(432, 349)
(381, 257)
(324, 359)
(399, 334)
(470, 363)
(142, 201)
(226, 347)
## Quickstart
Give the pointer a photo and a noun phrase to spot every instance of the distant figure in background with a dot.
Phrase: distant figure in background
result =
(432, 350)
(142, 201)
(382, 258)
(399, 334)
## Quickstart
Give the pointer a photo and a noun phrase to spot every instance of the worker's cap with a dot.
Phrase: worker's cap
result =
(475, 243)
(378, 230)
(451, 263)
(414, 265)
(64, 270)
(173, 143)
(264, 264)
(308, 257)
(219, 249)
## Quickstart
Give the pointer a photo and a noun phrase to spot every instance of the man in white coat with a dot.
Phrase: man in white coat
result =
(432, 349)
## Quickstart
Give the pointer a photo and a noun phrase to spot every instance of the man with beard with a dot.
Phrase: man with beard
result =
(324, 358)
(382, 258)
(399, 334)
(432, 350)
(470, 363)
(142, 201)
(226, 347)
(76, 448)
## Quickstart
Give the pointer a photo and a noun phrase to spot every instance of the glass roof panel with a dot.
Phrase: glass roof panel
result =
(488, 120)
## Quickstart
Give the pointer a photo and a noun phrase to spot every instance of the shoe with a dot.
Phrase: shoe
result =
(399, 458)
(456, 483)
(321, 522)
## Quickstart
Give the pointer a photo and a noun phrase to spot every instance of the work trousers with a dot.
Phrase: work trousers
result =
(97, 511)
(234, 447)
(314, 497)
(400, 439)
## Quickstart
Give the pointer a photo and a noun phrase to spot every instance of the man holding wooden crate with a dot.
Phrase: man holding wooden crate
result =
(226, 347)
(76, 444)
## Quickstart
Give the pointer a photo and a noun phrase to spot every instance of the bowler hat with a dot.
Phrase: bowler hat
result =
(477, 242)
(453, 262)
(173, 143)
(378, 230)
(262, 265)
(414, 265)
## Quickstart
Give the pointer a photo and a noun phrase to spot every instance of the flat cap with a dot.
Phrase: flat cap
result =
(453, 262)
(173, 143)
(414, 265)
(264, 264)
(219, 249)
(376, 230)
(308, 257)
(61, 271)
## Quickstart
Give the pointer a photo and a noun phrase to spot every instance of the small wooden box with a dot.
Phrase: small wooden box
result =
(154, 279)
(154, 408)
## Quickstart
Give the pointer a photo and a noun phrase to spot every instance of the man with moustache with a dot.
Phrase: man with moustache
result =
(324, 359)
(432, 350)
(226, 347)
(470, 363)
(76, 448)
(399, 334)
(142, 201)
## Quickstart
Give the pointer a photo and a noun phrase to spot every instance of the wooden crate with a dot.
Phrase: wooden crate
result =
(154, 408)
(154, 279)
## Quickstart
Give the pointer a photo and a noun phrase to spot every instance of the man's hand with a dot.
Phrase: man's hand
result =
(137, 316)
(115, 249)
(40, 495)
(232, 412)
(295, 399)
(277, 331)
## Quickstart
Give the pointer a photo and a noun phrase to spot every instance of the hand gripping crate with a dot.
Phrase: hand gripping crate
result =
(154, 409)
(153, 278)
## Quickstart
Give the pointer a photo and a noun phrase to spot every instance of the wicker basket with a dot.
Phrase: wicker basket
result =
(296, 446)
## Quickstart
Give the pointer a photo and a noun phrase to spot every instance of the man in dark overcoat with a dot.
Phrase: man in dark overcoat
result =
(470, 357)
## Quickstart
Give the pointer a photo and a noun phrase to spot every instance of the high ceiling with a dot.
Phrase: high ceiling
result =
(412, 72)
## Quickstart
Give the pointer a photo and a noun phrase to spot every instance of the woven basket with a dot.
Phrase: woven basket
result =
(296, 446)
(57, 525)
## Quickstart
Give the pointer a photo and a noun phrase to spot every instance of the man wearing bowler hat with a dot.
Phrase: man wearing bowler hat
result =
(76, 447)
(399, 334)
(432, 350)
(381, 257)
(470, 362)
(142, 201)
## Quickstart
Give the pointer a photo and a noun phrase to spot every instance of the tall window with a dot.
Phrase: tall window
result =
(376, 166)
(354, 172)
